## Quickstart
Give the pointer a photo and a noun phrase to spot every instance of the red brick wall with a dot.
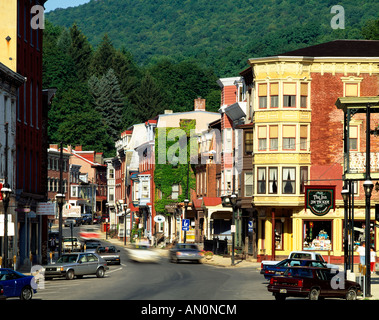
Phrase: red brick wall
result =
(326, 140)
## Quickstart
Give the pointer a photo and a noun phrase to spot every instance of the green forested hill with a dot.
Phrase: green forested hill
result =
(221, 34)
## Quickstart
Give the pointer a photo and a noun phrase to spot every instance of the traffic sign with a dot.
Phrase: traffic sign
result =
(250, 226)
(185, 224)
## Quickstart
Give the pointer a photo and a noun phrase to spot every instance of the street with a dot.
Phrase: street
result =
(159, 281)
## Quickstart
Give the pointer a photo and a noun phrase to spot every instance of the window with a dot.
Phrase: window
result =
(317, 235)
(353, 138)
(273, 137)
(289, 137)
(289, 180)
(303, 178)
(303, 137)
(111, 173)
(248, 142)
(261, 181)
(262, 138)
(262, 94)
(228, 146)
(175, 192)
(274, 95)
(289, 95)
(273, 180)
(74, 191)
(145, 189)
(111, 194)
(248, 184)
(303, 95)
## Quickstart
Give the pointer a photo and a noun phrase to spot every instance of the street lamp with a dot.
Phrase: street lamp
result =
(368, 186)
(186, 202)
(231, 201)
(60, 200)
(6, 193)
(345, 196)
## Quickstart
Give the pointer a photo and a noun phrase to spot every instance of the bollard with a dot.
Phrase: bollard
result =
(1, 261)
(51, 257)
(14, 262)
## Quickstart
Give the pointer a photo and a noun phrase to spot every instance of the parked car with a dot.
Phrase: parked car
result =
(313, 283)
(70, 221)
(87, 219)
(71, 244)
(304, 255)
(142, 253)
(16, 284)
(185, 252)
(109, 253)
(279, 268)
(77, 264)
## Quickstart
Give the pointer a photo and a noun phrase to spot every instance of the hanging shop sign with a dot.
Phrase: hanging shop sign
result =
(320, 199)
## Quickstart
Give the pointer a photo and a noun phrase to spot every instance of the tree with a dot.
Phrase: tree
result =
(108, 101)
(80, 52)
(103, 57)
(148, 100)
(370, 31)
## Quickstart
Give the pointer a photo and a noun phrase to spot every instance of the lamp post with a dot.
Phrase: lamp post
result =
(186, 202)
(368, 186)
(233, 201)
(60, 200)
(6, 193)
(345, 196)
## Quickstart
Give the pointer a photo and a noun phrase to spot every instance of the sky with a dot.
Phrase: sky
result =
(54, 4)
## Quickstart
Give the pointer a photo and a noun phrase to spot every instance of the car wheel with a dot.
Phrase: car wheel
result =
(100, 273)
(314, 294)
(351, 294)
(70, 274)
(280, 297)
(26, 293)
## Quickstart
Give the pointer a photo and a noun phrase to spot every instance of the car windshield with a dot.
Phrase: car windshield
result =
(106, 249)
(299, 272)
(187, 246)
(68, 258)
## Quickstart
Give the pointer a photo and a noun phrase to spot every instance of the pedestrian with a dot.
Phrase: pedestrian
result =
(372, 259)
(362, 251)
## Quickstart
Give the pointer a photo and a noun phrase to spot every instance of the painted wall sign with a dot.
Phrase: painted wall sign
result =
(320, 199)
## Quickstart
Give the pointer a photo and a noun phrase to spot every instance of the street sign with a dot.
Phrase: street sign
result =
(250, 226)
(159, 218)
(185, 224)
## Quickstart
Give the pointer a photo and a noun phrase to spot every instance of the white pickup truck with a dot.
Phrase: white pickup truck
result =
(300, 255)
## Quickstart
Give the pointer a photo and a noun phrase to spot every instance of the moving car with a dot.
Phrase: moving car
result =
(142, 253)
(313, 283)
(77, 264)
(279, 268)
(185, 252)
(16, 284)
(109, 253)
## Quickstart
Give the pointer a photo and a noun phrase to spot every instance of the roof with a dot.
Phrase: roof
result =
(339, 48)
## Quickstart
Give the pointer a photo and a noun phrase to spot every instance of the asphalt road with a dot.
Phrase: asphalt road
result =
(160, 281)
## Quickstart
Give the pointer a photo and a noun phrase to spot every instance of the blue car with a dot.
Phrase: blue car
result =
(279, 268)
(16, 284)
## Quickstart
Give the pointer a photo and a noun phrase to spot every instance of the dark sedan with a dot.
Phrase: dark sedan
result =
(185, 252)
(278, 269)
(313, 283)
(16, 284)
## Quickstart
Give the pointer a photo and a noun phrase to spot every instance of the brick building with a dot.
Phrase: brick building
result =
(298, 141)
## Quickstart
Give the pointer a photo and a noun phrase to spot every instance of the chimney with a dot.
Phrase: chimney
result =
(53, 146)
(69, 148)
(199, 104)
(168, 112)
(78, 148)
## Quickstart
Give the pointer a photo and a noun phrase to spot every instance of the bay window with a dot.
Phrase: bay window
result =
(289, 137)
(262, 95)
(289, 180)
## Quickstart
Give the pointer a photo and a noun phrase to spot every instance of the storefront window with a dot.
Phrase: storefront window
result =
(317, 235)
(359, 233)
